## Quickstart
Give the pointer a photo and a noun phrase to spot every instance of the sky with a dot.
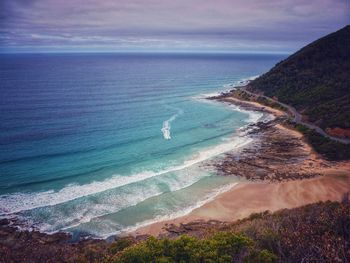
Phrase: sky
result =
(273, 26)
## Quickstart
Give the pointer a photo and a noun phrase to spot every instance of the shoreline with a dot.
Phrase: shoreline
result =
(255, 197)
(316, 180)
(251, 107)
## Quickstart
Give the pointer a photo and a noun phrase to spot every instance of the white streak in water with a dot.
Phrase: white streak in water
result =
(166, 124)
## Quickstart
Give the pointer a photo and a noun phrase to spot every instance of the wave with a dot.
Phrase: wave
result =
(185, 211)
(84, 210)
(253, 116)
(166, 124)
(17, 202)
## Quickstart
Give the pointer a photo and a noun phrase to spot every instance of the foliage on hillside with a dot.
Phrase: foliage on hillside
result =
(314, 233)
(315, 80)
(332, 150)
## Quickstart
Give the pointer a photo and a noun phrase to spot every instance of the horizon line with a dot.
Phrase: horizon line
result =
(245, 52)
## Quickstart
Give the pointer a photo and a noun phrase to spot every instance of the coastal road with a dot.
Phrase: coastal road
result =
(297, 118)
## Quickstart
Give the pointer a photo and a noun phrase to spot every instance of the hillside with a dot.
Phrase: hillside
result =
(313, 233)
(316, 81)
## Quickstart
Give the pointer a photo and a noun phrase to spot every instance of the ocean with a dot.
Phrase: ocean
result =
(98, 144)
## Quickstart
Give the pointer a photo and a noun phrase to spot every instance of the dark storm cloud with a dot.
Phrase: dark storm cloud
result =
(274, 25)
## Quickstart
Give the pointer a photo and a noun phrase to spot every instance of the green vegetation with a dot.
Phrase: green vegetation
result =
(315, 80)
(332, 150)
(221, 247)
(240, 94)
(271, 103)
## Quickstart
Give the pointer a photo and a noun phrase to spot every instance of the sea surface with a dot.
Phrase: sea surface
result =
(98, 144)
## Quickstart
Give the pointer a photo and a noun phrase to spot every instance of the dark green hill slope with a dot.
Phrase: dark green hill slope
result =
(315, 80)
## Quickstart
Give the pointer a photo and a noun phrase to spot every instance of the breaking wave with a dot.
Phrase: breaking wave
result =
(185, 211)
(17, 202)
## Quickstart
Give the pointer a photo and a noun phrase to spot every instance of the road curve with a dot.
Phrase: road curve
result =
(297, 118)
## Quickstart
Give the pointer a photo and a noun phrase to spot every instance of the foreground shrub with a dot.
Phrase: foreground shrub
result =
(221, 247)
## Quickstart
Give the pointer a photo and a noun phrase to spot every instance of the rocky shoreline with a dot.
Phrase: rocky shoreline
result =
(278, 154)
(275, 156)
(34, 246)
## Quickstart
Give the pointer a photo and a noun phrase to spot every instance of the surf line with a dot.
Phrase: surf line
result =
(167, 124)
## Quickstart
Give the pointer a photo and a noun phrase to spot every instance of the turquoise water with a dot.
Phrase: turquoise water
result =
(97, 144)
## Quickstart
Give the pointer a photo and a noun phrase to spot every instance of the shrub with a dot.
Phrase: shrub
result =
(221, 247)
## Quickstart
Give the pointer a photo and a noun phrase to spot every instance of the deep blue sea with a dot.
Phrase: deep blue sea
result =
(97, 144)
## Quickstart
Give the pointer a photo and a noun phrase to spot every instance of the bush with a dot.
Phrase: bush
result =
(221, 247)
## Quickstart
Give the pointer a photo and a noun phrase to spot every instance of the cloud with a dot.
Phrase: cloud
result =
(220, 24)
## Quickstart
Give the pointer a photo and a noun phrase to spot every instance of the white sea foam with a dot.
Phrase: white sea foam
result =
(87, 210)
(167, 124)
(253, 116)
(245, 81)
(204, 96)
(185, 211)
(226, 88)
(16, 202)
(110, 226)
